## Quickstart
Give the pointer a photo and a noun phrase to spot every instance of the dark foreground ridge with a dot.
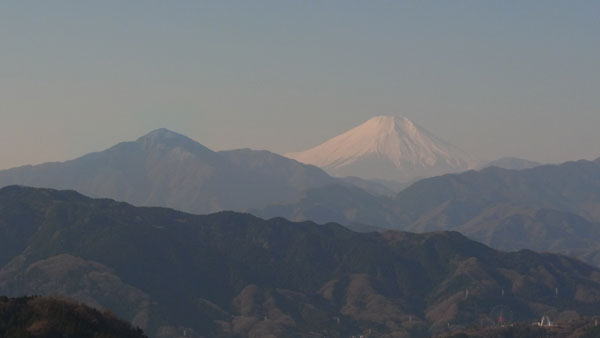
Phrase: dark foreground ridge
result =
(230, 274)
(51, 317)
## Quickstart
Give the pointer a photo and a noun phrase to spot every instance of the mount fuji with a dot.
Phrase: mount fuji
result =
(389, 148)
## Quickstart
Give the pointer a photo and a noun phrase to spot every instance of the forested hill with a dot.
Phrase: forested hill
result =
(43, 317)
(231, 274)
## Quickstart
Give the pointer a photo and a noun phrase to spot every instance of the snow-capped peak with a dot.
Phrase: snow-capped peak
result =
(387, 147)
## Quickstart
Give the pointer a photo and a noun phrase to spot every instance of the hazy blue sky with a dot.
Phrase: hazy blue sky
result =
(496, 78)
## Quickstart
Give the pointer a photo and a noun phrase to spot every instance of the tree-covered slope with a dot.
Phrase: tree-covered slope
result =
(229, 274)
(41, 317)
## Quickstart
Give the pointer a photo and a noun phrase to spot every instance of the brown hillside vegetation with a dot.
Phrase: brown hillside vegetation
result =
(47, 317)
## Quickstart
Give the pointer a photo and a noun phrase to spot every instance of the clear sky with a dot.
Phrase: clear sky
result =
(497, 78)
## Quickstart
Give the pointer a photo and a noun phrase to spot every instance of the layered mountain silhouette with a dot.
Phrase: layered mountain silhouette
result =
(512, 163)
(375, 187)
(550, 207)
(167, 169)
(387, 147)
(230, 274)
(570, 187)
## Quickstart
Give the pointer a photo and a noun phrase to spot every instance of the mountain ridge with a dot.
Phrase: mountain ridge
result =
(230, 274)
(514, 163)
(482, 204)
(164, 168)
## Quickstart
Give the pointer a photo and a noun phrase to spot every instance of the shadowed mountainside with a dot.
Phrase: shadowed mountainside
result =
(229, 274)
(31, 317)
(550, 207)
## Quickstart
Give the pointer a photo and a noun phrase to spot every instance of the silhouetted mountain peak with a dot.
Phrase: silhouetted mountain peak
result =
(165, 138)
(165, 168)
(162, 134)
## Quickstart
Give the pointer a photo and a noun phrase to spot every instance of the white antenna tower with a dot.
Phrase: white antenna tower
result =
(545, 322)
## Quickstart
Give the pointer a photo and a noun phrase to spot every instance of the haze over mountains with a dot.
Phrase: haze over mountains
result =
(356, 169)
(283, 278)
(232, 275)
(387, 147)
(164, 168)
(512, 163)
(507, 209)
(167, 169)
(550, 207)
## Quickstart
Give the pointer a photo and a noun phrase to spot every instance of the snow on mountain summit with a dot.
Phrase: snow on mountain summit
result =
(387, 147)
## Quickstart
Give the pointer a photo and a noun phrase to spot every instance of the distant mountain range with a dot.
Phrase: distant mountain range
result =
(550, 207)
(167, 169)
(514, 163)
(230, 274)
(387, 147)
(507, 209)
